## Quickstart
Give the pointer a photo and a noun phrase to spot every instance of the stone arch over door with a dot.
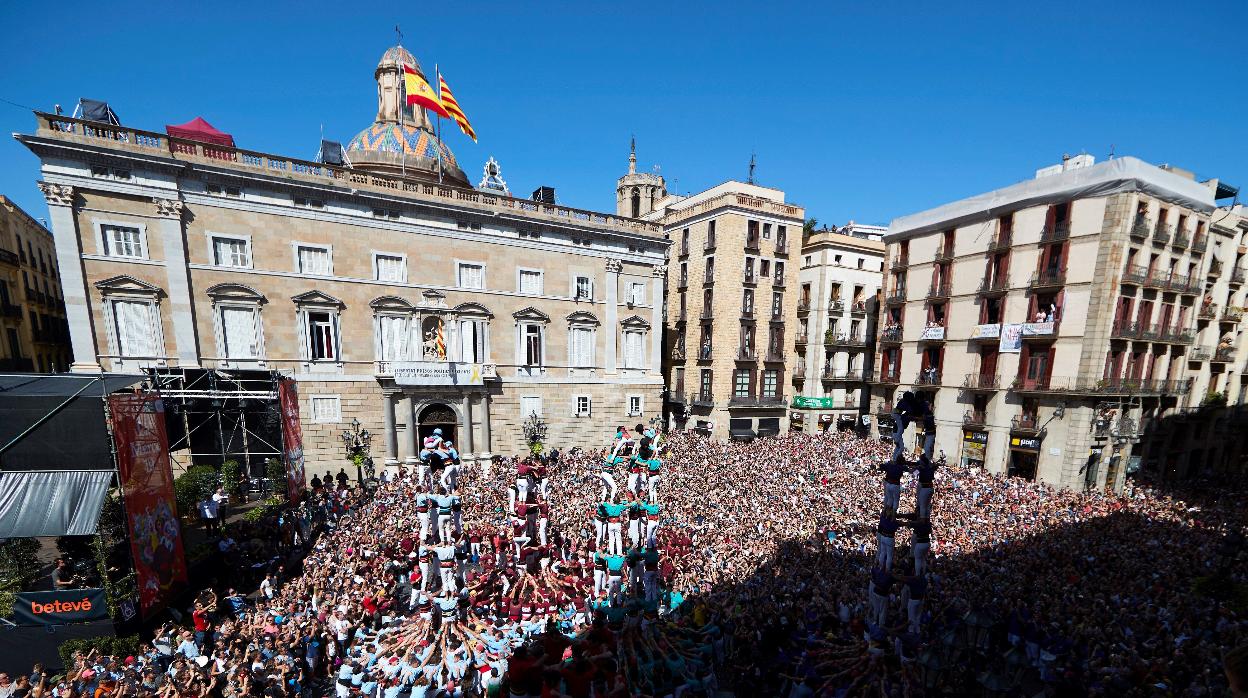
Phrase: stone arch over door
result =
(434, 414)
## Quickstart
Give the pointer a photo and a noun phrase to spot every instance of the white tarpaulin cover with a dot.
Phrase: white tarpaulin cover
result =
(65, 503)
(1110, 177)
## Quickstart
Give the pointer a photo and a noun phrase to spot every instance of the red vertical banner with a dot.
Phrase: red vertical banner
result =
(138, 422)
(292, 437)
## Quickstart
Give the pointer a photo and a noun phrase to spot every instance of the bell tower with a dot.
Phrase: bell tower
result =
(637, 194)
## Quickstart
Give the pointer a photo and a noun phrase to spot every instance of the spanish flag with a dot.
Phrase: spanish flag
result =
(448, 101)
(420, 93)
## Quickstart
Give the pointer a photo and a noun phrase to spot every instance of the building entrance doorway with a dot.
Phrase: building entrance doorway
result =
(1023, 464)
(436, 416)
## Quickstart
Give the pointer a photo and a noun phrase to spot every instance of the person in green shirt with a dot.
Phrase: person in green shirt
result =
(652, 523)
(615, 576)
(615, 518)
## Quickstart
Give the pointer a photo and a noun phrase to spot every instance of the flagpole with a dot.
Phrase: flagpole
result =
(438, 74)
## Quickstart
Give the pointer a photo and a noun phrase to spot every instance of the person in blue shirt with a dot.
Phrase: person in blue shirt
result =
(450, 473)
(926, 472)
(893, 470)
(907, 409)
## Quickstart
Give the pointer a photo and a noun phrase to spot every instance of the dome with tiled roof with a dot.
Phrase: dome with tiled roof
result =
(401, 140)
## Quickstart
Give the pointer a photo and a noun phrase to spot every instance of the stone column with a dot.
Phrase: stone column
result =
(73, 279)
(178, 285)
(467, 450)
(488, 446)
(410, 436)
(611, 324)
(392, 437)
(659, 273)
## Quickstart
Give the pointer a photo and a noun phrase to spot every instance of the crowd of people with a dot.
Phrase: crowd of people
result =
(669, 564)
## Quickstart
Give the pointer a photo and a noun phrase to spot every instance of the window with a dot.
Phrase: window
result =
(836, 259)
(704, 383)
(764, 267)
(122, 241)
(135, 324)
(239, 336)
(636, 293)
(530, 405)
(766, 231)
(231, 252)
(314, 260)
(582, 287)
(634, 406)
(390, 267)
(771, 379)
(710, 234)
(392, 334)
(469, 275)
(807, 261)
(326, 408)
(779, 273)
(741, 382)
(582, 405)
(860, 261)
(782, 237)
(684, 273)
(747, 302)
(684, 241)
(710, 270)
(581, 347)
(322, 334)
(634, 349)
(305, 202)
(777, 304)
(531, 341)
(530, 282)
(472, 341)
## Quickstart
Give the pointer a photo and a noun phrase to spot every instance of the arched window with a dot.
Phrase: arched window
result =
(636, 203)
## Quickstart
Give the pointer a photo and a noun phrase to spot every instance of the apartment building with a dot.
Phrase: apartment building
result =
(732, 298)
(392, 290)
(837, 307)
(33, 332)
(1045, 319)
(1196, 436)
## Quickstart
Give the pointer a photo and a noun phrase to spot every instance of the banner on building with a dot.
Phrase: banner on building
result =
(436, 373)
(59, 607)
(932, 332)
(992, 331)
(1038, 329)
(1011, 339)
(292, 437)
(138, 422)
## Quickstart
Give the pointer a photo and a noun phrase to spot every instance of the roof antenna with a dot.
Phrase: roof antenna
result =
(398, 34)
(753, 164)
(1111, 151)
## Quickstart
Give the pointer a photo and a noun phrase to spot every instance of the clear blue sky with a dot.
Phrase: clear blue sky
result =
(858, 113)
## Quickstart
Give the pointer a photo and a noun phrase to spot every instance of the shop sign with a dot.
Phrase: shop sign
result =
(1025, 443)
(979, 437)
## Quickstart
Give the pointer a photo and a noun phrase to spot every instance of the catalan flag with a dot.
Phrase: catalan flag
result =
(420, 93)
(452, 107)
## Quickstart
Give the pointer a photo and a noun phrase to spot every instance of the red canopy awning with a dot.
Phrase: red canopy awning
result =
(199, 130)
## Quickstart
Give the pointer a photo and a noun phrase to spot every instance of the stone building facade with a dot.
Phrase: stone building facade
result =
(1047, 319)
(33, 333)
(731, 305)
(350, 278)
(837, 307)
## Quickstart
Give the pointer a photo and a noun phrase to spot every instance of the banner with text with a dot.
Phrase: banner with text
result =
(59, 607)
(436, 373)
(1011, 341)
(292, 437)
(147, 484)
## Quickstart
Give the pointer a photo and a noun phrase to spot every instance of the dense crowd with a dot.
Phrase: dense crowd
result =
(657, 565)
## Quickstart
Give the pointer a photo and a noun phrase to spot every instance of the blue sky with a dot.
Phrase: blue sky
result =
(863, 113)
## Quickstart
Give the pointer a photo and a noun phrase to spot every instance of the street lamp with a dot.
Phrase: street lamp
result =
(534, 432)
(357, 442)
(932, 668)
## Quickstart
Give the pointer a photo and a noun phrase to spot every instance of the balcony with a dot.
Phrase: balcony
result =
(1200, 243)
(702, 399)
(899, 263)
(1181, 239)
(704, 352)
(1237, 276)
(1030, 385)
(684, 249)
(1177, 335)
(891, 334)
(1163, 233)
(1232, 315)
(1135, 275)
(897, 297)
(11, 311)
(7, 257)
(802, 339)
(709, 245)
(944, 253)
(774, 356)
(836, 305)
(890, 377)
(841, 339)
(1200, 354)
(799, 372)
(1215, 268)
(1224, 355)
(1027, 424)
(1208, 311)
(831, 375)
(708, 279)
(746, 354)
(1001, 242)
(1055, 232)
(974, 418)
(803, 305)
(1040, 330)
(749, 277)
(938, 290)
(1048, 278)
(682, 283)
(928, 376)
(752, 401)
(981, 382)
(1102, 387)
(751, 243)
(678, 352)
(708, 313)
(994, 287)
(1141, 227)
(782, 247)
(858, 309)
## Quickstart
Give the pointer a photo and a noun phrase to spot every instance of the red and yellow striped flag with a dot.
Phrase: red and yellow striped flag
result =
(452, 108)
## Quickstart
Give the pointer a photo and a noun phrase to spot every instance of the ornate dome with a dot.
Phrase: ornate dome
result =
(396, 56)
(404, 140)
